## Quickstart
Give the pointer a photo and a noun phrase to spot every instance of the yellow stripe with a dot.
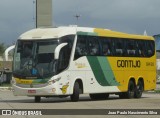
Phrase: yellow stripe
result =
(22, 81)
(109, 33)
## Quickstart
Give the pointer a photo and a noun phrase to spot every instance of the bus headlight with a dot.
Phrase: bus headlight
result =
(53, 81)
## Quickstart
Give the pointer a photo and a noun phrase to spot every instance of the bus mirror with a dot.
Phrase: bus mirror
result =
(58, 49)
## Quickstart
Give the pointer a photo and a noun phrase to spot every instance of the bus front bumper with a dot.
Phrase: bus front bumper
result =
(50, 90)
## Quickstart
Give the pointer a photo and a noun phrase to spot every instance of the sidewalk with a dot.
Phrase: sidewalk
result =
(5, 88)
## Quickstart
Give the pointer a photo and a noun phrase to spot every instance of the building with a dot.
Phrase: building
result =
(157, 43)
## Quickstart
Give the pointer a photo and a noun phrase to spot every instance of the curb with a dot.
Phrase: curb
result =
(5, 88)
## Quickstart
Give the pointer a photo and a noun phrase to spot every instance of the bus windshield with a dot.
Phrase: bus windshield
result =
(34, 58)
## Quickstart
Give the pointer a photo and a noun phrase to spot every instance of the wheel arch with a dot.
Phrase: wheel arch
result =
(80, 85)
(80, 82)
(132, 79)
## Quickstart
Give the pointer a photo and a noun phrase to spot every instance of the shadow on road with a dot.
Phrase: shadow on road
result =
(61, 100)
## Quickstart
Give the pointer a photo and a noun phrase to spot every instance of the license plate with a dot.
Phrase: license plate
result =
(31, 91)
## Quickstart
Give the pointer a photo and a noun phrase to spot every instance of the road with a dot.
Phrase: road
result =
(148, 101)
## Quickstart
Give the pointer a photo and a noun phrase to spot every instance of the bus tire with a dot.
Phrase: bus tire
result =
(139, 89)
(100, 96)
(131, 90)
(76, 92)
(37, 99)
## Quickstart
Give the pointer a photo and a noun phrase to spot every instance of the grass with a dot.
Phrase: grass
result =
(5, 85)
(157, 91)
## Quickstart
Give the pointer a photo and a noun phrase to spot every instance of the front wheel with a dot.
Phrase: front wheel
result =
(37, 99)
(76, 92)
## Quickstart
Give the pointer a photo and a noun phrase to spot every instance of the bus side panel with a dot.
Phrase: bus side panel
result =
(96, 77)
(126, 68)
(112, 74)
(78, 71)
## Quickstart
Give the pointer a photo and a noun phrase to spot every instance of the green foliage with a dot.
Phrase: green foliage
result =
(157, 91)
(2, 48)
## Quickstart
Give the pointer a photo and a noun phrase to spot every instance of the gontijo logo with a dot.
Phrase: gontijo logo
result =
(128, 63)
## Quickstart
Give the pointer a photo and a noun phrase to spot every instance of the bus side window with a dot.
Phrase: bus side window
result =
(65, 52)
(141, 48)
(93, 45)
(63, 59)
(149, 48)
(106, 47)
(81, 49)
(131, 50)
(119, 47)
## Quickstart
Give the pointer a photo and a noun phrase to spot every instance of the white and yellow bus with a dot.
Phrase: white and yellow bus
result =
(69, 61)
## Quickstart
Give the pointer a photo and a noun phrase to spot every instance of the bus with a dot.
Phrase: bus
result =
(71, 60)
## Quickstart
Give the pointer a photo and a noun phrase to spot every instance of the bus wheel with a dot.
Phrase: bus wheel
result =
(37, 99)
(76, 92)
(100, 96)
(139, 90)
(131, 90)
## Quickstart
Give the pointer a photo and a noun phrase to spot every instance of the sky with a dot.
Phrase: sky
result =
(130, 16)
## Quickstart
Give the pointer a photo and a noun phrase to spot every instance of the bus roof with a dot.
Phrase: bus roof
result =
(110, 33)
(48, 33)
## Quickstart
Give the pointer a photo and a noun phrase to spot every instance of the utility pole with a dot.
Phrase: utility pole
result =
(77, 18)
(43, 13)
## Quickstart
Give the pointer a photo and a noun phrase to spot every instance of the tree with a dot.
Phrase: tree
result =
(2, 48)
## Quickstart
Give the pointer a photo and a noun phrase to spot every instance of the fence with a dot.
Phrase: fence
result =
(5, 71)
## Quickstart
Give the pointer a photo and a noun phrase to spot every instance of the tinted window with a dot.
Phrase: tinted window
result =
(141, 48)
(107, 46)
(150, 48)
(65, 52)
(93, 46)
(130, 48)
(81, 47)
(119, 47)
